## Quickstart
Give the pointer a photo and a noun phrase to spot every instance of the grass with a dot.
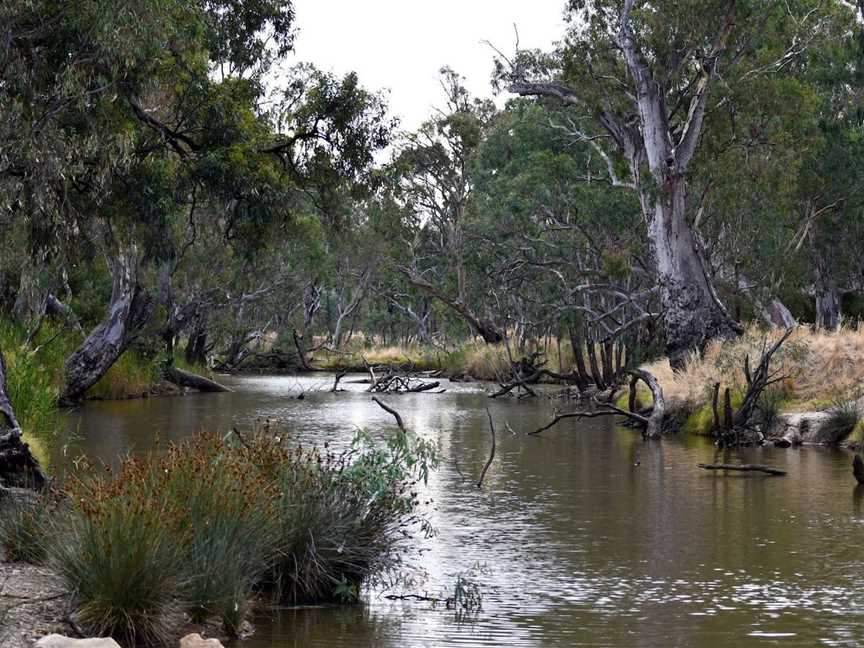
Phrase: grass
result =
(22, 527)
(820, 368)
(34, 374)
(843, 418)
(132, 376)
(477, 360)
(212, 521)
(413, 357)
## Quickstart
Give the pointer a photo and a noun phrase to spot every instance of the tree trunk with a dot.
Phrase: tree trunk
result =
(187, 379)
(692, 312)
(658, 150)
(578, 359)
(778, 315)
(195, 347)
(827, 308)
(18, 467)
(827, 295)
(129, 311)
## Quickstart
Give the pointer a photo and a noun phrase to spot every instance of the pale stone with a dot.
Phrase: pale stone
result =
(59, 641)
(195, 640)
(799, 427)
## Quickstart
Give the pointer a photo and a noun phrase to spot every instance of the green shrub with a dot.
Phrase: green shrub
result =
(23, 527)
(132, 376)
(228, 526)
(842, 420)
(212, 520)
(772, 399)
(119, 553)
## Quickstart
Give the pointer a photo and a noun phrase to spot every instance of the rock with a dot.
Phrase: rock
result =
(59, 641)
(797, 428)
(195, 640)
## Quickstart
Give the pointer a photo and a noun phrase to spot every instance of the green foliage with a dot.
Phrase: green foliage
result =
(23, 526)
(843, 418)
(34, 375)
(701, 422)
(197, 529)
(132, 376)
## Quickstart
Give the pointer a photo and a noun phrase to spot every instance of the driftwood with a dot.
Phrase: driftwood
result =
(396, 383)
(654, 425)
(651, 424)
(744, 468)
(339, 376)
(391, 411)
(18, 466)
(729, 430)
(491, 451)
(188, 379)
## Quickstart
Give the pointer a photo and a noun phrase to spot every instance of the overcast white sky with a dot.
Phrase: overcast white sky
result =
(401, 44)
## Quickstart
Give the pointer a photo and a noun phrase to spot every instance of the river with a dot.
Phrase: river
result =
(582, 536)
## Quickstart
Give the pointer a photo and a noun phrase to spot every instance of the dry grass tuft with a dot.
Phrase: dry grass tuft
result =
(821, 367)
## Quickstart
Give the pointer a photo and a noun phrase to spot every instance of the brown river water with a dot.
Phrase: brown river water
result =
(583, 536)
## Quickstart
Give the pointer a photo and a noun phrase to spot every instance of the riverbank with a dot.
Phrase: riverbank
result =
(816, 391)
(209, 528)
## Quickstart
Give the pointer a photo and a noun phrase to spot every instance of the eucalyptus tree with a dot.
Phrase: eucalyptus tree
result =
(557, 246)
(435, 164)
(638, 77)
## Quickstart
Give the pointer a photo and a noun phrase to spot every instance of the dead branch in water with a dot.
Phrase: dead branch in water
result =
(491, 452)
(392, 411)
(339, 376)
(744, 468)
(652, 424)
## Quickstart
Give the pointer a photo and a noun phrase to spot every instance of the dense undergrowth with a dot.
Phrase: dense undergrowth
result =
(34, 377)
(211, 523)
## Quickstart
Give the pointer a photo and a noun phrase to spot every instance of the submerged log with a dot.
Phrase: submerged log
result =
(188, 379)
(744, 468)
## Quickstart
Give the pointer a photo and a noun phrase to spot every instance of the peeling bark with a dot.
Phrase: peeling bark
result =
(658, 150)
(129, 311)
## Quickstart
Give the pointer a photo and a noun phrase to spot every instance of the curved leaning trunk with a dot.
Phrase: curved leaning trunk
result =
(129, 311)
(18, 467)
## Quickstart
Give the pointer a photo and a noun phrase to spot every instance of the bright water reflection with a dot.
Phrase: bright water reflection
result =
(590, 537)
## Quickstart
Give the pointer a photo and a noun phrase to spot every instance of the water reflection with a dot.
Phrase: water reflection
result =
(590, 537)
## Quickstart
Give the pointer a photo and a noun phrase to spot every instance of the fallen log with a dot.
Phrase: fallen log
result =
(744, 468)
(188, 379)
